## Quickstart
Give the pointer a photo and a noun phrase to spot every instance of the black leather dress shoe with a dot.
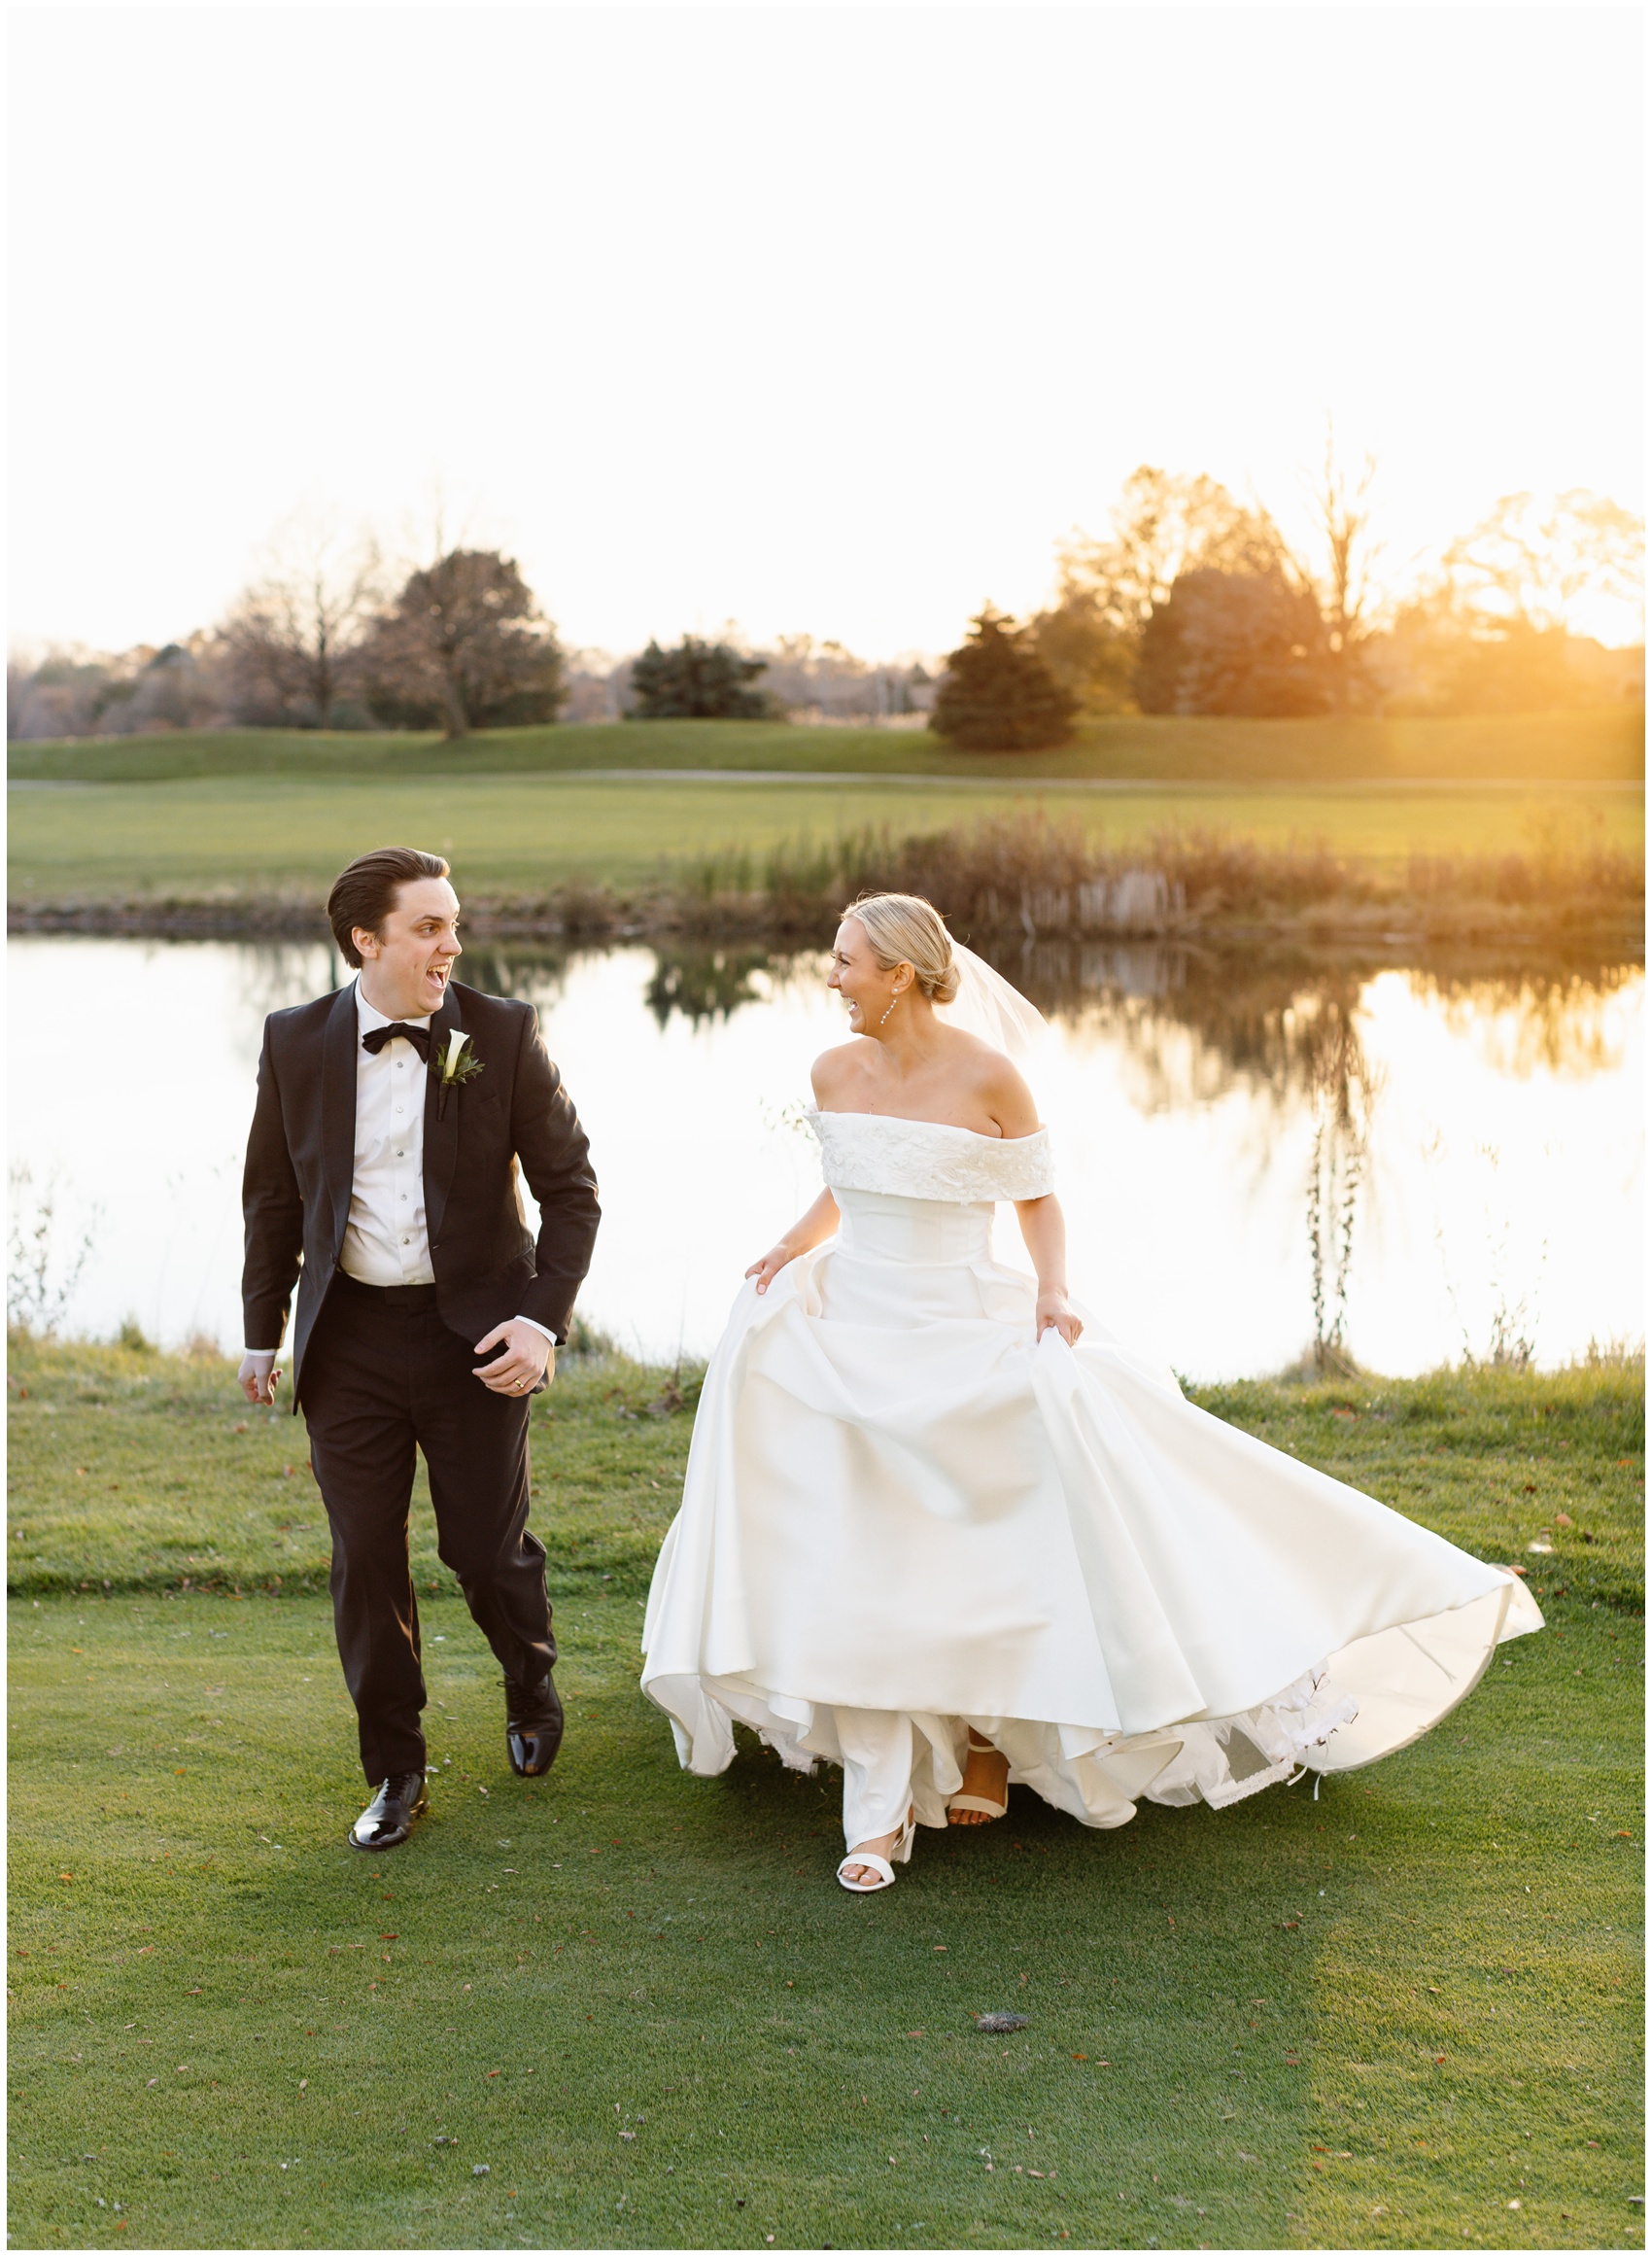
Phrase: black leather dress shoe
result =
(532, 1726)
(392, 1814)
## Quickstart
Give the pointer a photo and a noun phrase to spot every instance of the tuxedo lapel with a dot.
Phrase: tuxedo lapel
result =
(338, 1108)
(442, 1123)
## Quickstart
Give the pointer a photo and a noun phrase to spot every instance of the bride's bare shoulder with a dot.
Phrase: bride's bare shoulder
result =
(834, 1070)
(994, 1082)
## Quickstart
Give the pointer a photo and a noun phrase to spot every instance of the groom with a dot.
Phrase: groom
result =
(382, 1176)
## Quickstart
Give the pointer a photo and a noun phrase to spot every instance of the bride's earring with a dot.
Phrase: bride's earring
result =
(893, 1000)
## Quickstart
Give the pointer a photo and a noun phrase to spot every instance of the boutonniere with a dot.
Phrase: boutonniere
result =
(456, 1064)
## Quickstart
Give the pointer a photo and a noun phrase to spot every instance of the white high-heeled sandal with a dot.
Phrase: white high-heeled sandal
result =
(883, 1868)
(991, 1810)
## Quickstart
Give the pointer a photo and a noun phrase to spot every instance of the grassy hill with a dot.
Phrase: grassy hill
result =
(1607, 745)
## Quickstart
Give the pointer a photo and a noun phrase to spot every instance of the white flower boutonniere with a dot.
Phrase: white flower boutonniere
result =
(456, 1064)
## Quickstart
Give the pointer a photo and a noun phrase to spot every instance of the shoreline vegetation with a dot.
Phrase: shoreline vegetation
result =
(1022, 876)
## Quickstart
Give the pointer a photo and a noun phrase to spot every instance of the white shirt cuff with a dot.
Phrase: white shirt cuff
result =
(262, 1355)
(544, 1330)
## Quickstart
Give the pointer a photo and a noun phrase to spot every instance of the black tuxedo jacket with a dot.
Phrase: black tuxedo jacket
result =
(301, 1167)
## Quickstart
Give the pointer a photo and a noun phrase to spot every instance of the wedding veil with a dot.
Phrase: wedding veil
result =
(987, 1006)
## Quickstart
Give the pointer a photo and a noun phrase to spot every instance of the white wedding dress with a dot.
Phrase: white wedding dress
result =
(901, 1517)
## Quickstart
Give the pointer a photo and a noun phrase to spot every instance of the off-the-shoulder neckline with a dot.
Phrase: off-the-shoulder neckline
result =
(905, 1121)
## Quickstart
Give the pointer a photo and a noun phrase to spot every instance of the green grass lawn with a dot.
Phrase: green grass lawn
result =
(1607, 743)
(1377, 2020)
(207, 837)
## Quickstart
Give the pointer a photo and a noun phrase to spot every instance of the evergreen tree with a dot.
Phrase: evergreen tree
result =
(698, 681)
(997, 695)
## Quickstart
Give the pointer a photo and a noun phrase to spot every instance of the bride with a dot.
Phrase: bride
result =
(938, 1527)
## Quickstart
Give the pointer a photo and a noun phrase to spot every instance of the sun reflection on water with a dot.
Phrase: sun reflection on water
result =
(1475, 1134)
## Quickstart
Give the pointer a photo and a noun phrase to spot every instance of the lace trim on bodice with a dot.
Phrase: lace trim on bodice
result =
(930, 1160)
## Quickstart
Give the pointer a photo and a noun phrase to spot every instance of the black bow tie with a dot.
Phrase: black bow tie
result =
(419, 1036)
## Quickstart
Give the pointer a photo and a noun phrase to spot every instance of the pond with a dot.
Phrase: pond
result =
(1409, 1162)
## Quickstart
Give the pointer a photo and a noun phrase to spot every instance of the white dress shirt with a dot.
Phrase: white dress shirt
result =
(387, 1240)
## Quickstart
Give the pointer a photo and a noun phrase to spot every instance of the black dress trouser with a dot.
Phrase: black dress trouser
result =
(384, 1376)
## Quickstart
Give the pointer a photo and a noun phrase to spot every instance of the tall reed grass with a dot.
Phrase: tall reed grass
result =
(1030, 873)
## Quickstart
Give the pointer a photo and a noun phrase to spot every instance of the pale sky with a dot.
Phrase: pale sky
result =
(816, 319)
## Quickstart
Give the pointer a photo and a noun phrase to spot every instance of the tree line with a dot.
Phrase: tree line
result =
(1195, 603)
(322, 641)
(1191, 602)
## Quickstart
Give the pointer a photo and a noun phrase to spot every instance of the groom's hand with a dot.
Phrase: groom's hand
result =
(528, 1354)
(258, 1377)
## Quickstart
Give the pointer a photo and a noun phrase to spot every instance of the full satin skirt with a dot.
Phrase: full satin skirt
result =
(901, 1518)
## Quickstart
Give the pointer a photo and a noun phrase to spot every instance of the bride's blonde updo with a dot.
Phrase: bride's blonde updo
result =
(905, 929)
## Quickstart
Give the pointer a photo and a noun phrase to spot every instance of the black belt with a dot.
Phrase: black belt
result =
(407, 1296)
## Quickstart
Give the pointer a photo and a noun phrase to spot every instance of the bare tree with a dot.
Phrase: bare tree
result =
(1530, 561)
(1341, 501)
(293, 638)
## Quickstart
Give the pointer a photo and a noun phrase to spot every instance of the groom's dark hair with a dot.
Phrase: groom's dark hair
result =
(363, 895)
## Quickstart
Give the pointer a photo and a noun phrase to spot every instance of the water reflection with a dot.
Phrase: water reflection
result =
(707, 984)
(1260, 1153)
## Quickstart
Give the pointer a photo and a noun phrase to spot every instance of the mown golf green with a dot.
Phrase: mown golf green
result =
(219, 837)
(1403, 2015)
